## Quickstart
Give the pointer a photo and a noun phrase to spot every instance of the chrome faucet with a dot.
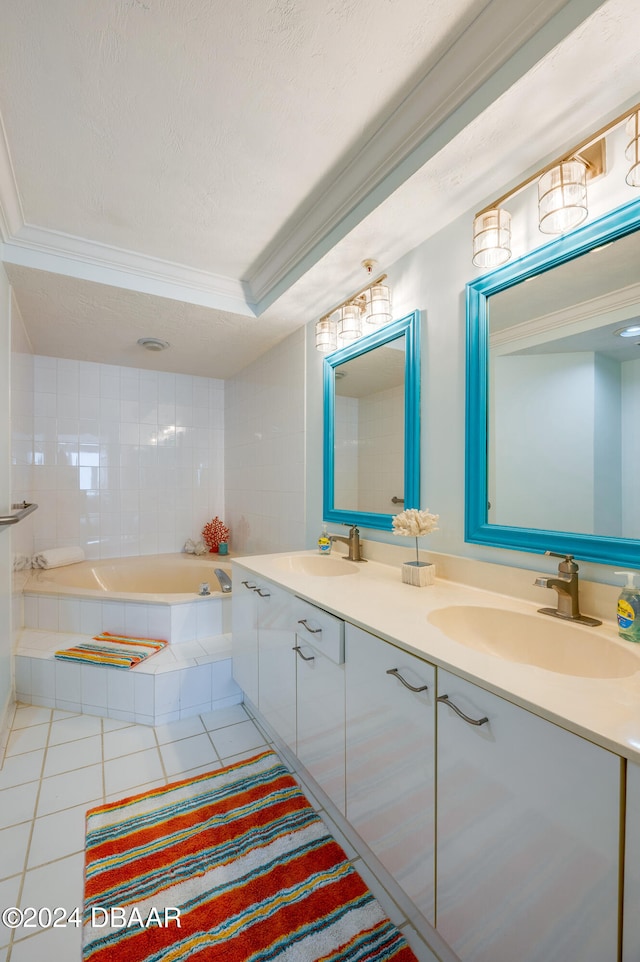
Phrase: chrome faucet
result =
(353, 542)
(566, 584)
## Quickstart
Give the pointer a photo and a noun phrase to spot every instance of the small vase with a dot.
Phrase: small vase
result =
(418, 573)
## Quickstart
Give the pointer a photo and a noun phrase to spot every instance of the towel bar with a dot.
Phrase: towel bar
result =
(21, 511)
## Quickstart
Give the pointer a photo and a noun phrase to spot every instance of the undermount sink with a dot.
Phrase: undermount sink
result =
(538, 640)
(318, 565)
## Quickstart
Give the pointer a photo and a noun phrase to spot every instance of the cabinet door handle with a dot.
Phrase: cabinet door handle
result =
(248, 585)
(303, 656)
(394, 671)
(263, 594)
(314, 631)
(470, 721)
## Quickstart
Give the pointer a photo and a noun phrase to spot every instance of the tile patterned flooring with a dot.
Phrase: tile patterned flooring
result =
(59, 764)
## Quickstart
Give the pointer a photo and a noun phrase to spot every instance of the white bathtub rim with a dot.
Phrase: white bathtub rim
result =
(37, 584)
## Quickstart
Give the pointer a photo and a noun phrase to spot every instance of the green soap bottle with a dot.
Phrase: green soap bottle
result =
(629, 608)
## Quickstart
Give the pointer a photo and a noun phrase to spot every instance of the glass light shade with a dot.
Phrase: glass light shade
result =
(378, 309)
(632, 151)
(492, 238)
(349, 324)
(326, 336)
(562, 197)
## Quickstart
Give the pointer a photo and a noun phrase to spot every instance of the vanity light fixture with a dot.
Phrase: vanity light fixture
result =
(344, 323)
(562, 197)
(562, 192)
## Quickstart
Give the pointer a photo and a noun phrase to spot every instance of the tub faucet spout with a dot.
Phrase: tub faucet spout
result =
(223, 579)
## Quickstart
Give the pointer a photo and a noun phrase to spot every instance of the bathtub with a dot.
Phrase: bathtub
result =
(168, 578)
(150, 595)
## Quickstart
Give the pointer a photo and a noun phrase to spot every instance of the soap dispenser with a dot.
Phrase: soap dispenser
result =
(629, 608)
(324, 541)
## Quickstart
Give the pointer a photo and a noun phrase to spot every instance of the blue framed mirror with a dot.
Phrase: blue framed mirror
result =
(372, 426)
(553, 397)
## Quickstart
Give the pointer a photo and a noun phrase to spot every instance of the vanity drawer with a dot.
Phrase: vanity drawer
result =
(319, 628)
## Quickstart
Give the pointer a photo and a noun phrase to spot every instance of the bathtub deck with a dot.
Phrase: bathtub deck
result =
(182, 680)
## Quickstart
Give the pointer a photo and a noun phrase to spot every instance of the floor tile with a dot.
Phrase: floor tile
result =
(27, 739)
(126, 741)
(58, 835)
(17, 804)
(223, 717)
(237, 738)
(31, 715)
(184, 728)
(13, 845)
(71, 755)
(138, 790)
(59, 883)
(8, 898)
(55, 944)
(126, 773)
(193, 772)
(18, 769)
(81, 786)
(74, 727)
(113, 724)
(188, 753)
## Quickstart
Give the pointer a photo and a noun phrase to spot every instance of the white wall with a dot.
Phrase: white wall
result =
(630, 443)
(125, 461)
(22, 542)
(6, 646)
(265, 450)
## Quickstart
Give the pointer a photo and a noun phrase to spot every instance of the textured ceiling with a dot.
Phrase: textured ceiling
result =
(195, 132)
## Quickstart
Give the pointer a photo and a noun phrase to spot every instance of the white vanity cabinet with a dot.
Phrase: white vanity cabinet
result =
(527, 834)
(276, 661)
(244, 631)
(390, 760)
(319, 664)
(631, 927)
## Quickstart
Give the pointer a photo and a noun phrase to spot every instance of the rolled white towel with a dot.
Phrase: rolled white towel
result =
(56, 557)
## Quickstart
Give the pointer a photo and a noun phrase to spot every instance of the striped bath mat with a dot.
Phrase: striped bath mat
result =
(230, 866)
(118, 651)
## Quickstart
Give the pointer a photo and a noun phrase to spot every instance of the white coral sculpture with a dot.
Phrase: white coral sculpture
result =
(414, 523)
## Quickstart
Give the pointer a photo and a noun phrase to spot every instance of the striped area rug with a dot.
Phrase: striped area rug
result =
(117, 651)
(242, 861)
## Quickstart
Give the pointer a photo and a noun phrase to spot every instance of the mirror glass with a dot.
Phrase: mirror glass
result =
(554, 390)
(372, 427)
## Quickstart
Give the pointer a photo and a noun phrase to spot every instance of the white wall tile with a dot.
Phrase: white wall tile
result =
(90, 617)
(144, 695)
(167, 693)
(93, 681)
(222, 683)
(195, 686)
(43, 684)
(184, 623)
(68, 683)
(120, 696)
(48, 614)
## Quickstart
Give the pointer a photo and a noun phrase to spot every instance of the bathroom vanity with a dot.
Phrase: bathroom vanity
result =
(491, 787)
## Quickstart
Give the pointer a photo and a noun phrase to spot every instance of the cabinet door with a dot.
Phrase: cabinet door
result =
(390, 747)
(276, 661)
(244, 632)
(527, 835)
(320, 718)
(631, 927)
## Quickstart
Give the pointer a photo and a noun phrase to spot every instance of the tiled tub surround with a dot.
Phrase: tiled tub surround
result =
(181, 681)
(65, 605)
(89, 597)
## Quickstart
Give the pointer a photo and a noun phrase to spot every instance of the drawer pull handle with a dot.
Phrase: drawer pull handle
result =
(314, 631)
(470, 721)
(248, 585)
(263, 594)
(302, 655)
(394, 671)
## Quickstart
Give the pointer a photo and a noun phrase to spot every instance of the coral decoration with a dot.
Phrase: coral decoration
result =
(413, 523)
(214, 533)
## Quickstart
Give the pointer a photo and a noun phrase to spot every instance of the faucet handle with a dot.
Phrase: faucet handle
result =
(568, 565)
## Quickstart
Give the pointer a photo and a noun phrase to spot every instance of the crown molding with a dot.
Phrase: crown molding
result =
(60, 253)
(498, 48)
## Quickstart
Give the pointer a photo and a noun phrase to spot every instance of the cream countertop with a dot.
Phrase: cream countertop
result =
(604, 710)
